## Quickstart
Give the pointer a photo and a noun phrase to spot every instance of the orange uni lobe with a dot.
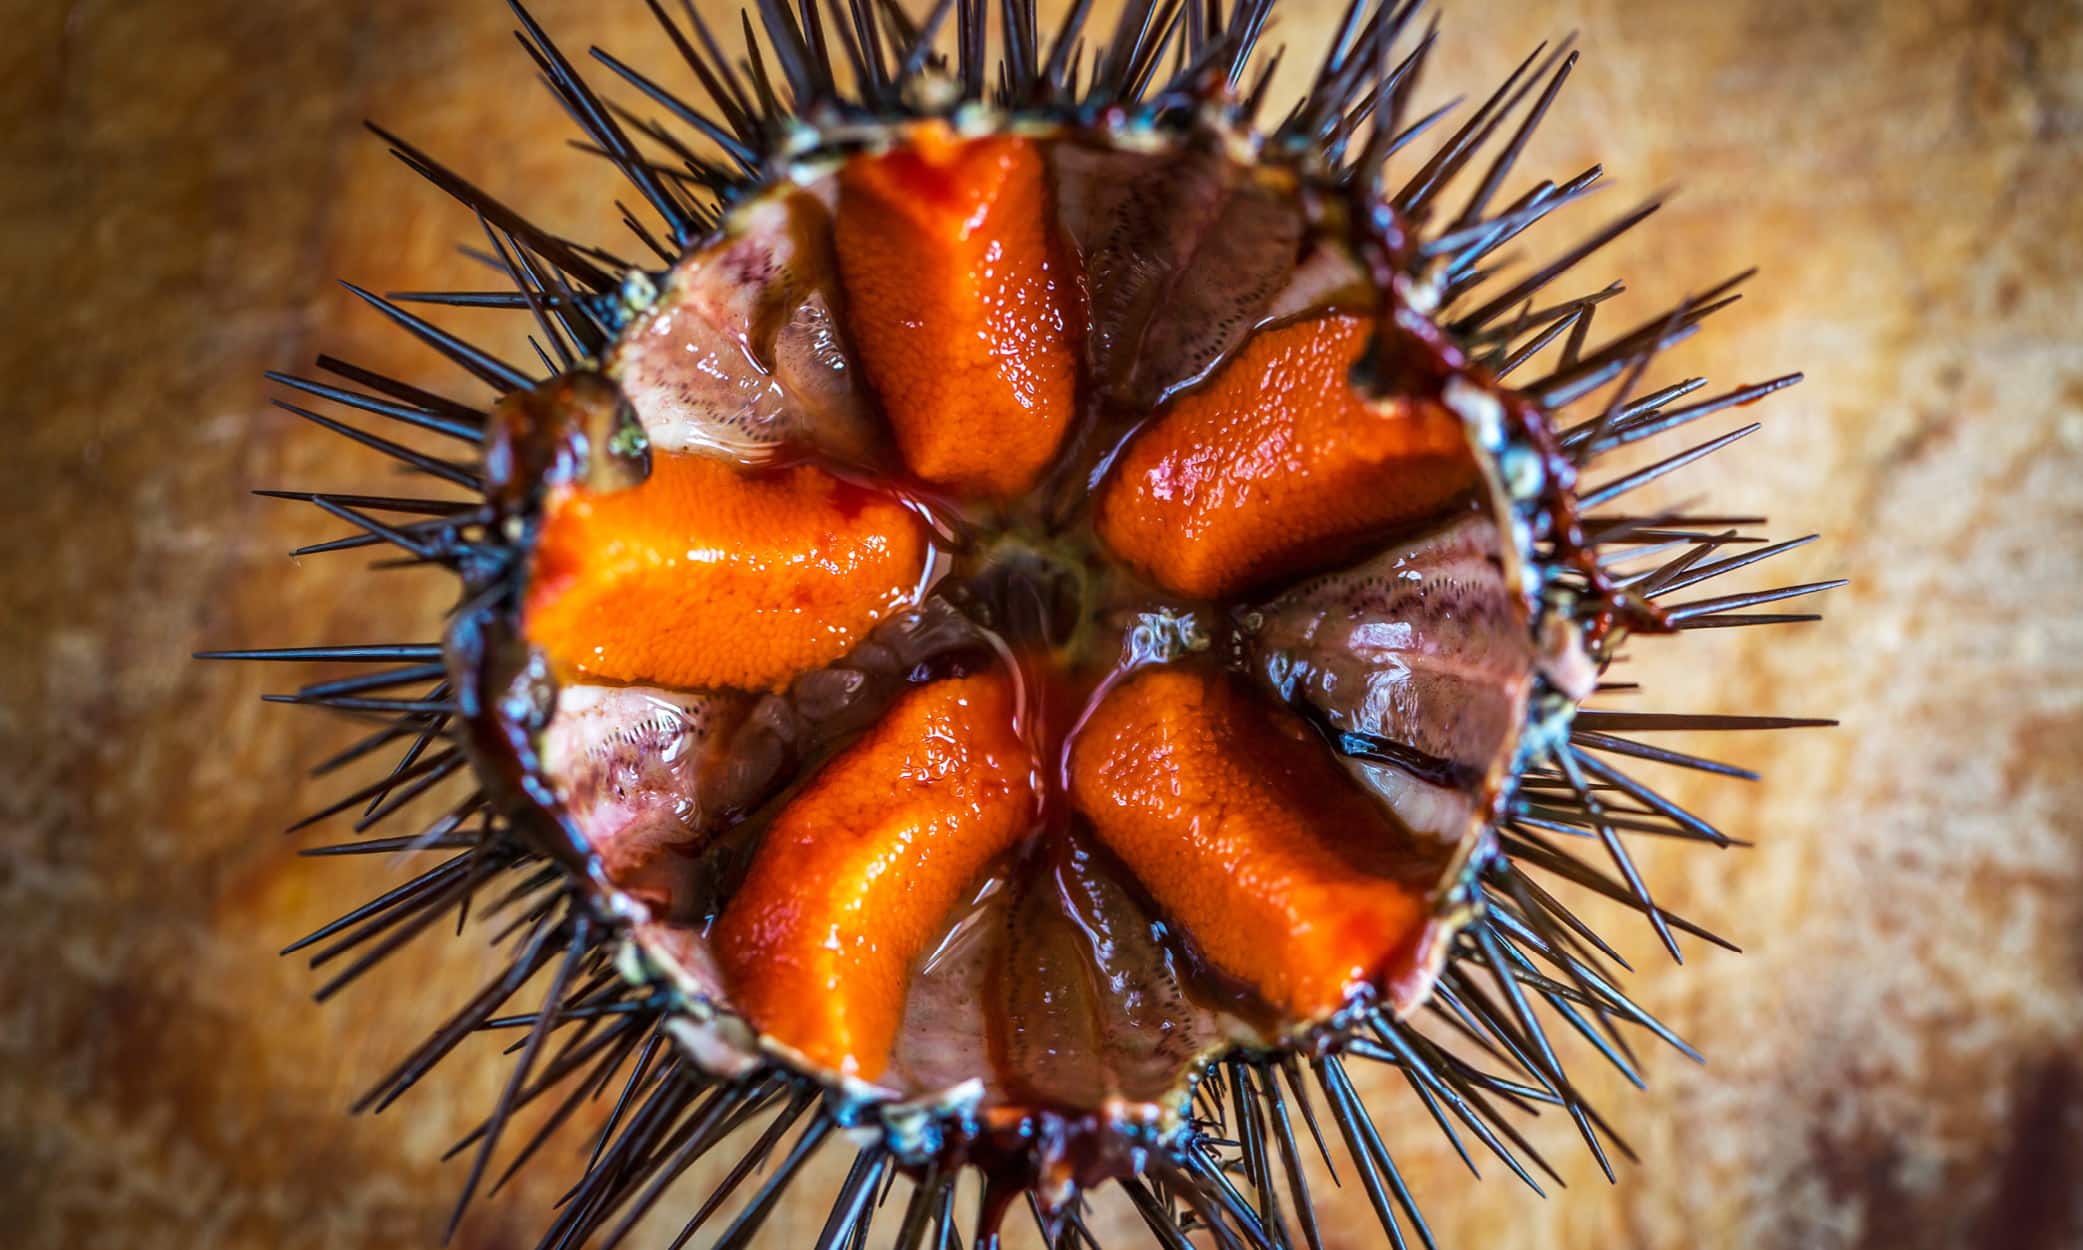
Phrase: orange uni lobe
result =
(965, 317)
(860, 870)
(706, 576)
(1276, 463)
(1249, 837)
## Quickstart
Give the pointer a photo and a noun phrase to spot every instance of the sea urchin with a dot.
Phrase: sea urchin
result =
(1042, 627)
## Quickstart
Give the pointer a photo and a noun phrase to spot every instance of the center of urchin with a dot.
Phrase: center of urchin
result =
(1038, 591)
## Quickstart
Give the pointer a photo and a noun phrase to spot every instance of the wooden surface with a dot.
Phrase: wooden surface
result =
(1897, 1061)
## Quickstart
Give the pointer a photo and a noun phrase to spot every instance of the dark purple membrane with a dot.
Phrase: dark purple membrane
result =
(743, 354)
(1059, 986)
(1417, 662)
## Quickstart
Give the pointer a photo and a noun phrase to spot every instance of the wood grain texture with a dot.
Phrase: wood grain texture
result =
(1897, 1060)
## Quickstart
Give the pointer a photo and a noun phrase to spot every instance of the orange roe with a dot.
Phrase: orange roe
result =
(707, 576)
(1249, 836)
(858, 871)
(966, 321)
(1274, 462)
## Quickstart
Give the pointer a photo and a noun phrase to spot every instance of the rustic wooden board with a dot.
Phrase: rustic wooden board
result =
(1897, 1061)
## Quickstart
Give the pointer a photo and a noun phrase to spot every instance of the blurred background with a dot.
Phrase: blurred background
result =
(1896, 1061)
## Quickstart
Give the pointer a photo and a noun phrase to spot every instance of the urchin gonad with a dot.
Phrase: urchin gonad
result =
(1042, 628)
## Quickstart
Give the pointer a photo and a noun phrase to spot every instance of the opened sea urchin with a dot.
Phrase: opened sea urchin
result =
(1051, 615)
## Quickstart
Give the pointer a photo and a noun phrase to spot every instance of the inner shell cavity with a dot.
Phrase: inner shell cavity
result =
(1043, 647)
